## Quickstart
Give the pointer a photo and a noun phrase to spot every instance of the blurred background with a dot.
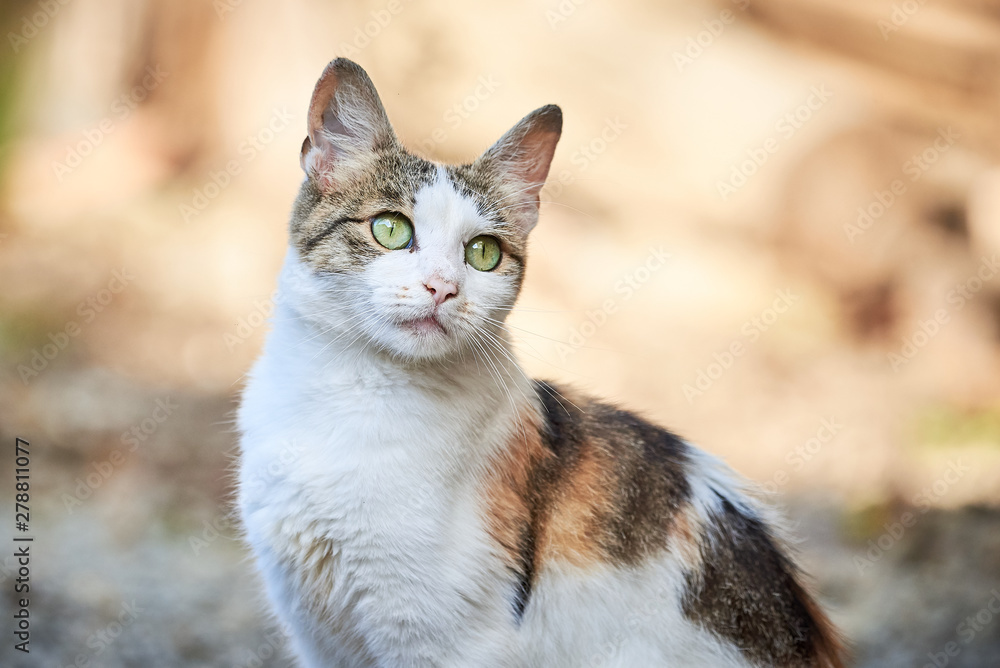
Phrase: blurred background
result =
(771, 225)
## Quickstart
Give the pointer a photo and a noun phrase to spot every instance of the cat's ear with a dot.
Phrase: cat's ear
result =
(347, 123)
(522, 158)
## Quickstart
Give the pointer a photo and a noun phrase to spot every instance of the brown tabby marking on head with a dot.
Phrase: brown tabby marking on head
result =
(496, 201)
(332, 229)
(357, 168)
(748, 592)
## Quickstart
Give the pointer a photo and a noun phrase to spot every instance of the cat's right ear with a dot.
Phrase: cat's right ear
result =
(346, 125)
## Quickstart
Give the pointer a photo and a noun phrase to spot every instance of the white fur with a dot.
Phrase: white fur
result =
(364, 446)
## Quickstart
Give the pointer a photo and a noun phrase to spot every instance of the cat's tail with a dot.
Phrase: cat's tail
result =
(746, 586)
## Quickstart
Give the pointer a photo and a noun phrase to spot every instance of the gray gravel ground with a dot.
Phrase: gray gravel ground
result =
(147, 568)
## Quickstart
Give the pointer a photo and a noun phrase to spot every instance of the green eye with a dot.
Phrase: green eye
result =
(392, 230)
(483, 253)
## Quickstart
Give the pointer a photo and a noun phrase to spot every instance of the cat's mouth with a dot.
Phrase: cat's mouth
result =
(427, 325)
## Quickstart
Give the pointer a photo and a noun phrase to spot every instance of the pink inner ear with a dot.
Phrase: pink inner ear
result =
(540, 146)
(331, 122)
(524, 154)
(304, 154)
(316, 159)
(316, 164)
(322, 102)
(322, 172)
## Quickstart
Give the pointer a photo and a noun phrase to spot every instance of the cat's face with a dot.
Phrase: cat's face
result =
(416, 259)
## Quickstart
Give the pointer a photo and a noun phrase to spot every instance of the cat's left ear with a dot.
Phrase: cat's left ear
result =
(522, 157)
(347, 124)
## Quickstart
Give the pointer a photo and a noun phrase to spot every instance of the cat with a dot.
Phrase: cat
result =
(414, 500)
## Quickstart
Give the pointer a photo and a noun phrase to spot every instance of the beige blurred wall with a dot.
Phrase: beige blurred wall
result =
(662, 101)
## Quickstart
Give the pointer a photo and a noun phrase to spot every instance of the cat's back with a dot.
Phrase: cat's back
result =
(654, 542)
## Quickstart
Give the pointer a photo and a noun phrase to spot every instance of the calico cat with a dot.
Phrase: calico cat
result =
(414, 500)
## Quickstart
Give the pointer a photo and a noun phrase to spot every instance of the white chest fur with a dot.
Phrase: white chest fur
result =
(357, 497)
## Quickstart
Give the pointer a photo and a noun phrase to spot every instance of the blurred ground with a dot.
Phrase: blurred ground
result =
(823, 176)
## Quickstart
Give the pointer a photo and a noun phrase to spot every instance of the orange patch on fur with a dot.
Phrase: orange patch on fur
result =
(572, 527)
(572, 505)
(509, 499)
(539, 512)
(314, 560)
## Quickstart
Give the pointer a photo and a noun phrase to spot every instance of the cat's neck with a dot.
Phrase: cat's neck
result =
(450, 416)
(328, 355)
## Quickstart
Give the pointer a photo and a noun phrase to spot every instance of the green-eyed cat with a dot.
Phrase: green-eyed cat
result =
(413, 499)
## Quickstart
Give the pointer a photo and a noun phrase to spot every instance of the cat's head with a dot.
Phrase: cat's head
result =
(414, 258)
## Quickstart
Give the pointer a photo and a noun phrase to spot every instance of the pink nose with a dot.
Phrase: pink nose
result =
(440, 289)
